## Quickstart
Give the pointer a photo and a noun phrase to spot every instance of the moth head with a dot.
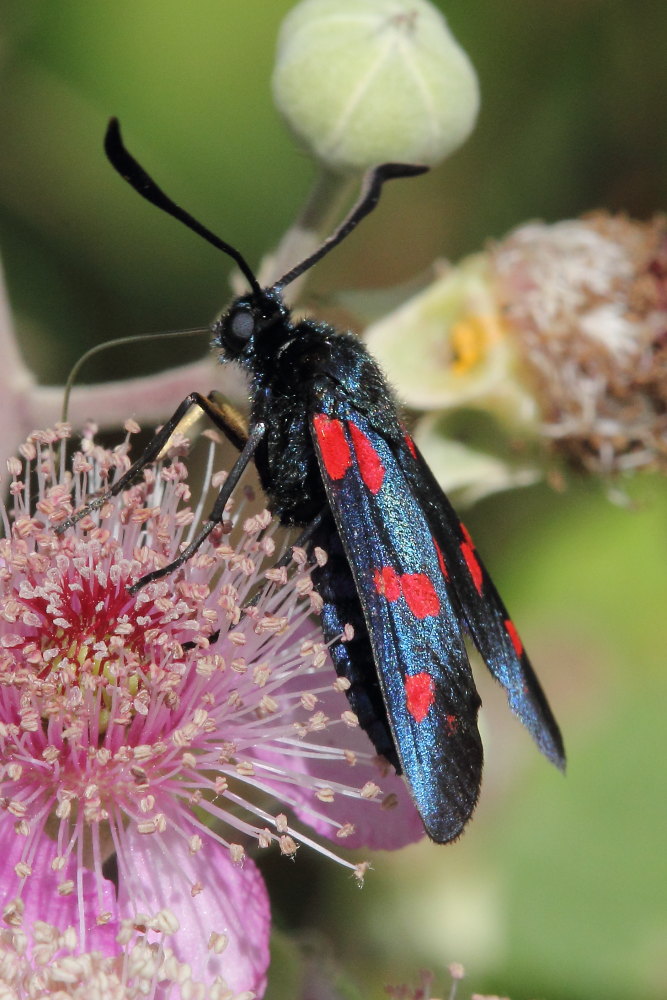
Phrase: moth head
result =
(239, 331)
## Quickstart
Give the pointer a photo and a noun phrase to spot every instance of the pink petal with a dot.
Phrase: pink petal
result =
(158, 871)
(42, 901)
(387, 824)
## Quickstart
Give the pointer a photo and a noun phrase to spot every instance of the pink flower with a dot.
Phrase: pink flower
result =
(151, 733)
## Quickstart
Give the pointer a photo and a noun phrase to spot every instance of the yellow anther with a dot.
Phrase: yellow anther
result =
(471, 338)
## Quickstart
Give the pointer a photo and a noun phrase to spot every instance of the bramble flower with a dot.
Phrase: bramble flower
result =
(144, 740)
(424, 990)
(447, 350)
(558, 333)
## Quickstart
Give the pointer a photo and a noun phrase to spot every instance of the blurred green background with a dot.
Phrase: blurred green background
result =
(558, 887)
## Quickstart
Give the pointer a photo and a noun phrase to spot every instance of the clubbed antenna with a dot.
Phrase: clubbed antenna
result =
(136, 176)
(368, 199)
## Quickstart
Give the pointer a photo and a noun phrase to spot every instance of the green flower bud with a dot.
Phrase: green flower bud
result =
(363, 82)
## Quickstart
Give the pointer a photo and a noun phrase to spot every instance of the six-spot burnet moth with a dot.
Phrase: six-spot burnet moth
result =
(403, 583)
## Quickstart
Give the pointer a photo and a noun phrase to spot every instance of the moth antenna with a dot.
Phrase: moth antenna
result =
(195, 331)
(368, 199)
(135, 175)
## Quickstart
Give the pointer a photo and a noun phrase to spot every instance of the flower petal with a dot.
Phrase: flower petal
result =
(387, 822)
(466, 473)
(159, 872)
(448, 347)
(44, 900)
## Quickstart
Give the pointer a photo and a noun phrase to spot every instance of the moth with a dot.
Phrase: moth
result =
(403, 584)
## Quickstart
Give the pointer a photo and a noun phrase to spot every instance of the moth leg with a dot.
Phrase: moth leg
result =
(284, 560)
(227, 419)
(301, 541)
(216, 515)
(221, 414)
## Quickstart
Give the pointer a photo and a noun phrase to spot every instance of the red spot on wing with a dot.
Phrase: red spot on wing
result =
(515, 637)
(416, 588)
(333, 445)
(441, 560)
(411, 445)
(370, 465)
(387, 583)
(466, 535)
(420, 595)
(468, 552)
(419, 695)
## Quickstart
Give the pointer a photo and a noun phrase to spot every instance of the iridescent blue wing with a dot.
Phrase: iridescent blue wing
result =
(353, 658)
(410, 618)
(487, 619)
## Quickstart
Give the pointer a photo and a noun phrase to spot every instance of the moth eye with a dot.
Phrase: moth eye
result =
(242, 325)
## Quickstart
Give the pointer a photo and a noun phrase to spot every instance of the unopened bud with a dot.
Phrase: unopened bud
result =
(363, 82)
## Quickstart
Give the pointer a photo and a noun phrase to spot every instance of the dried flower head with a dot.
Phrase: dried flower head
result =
(145, 738)
(586, 300)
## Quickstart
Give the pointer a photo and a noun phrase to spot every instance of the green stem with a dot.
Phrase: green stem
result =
(322, 209)
(325, 201)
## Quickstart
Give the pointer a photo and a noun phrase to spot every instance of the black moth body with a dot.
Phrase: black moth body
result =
(334, 458)
(297, 371)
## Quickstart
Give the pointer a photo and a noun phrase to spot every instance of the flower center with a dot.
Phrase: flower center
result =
(88, 648)
(471, 338)
(95, 663)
